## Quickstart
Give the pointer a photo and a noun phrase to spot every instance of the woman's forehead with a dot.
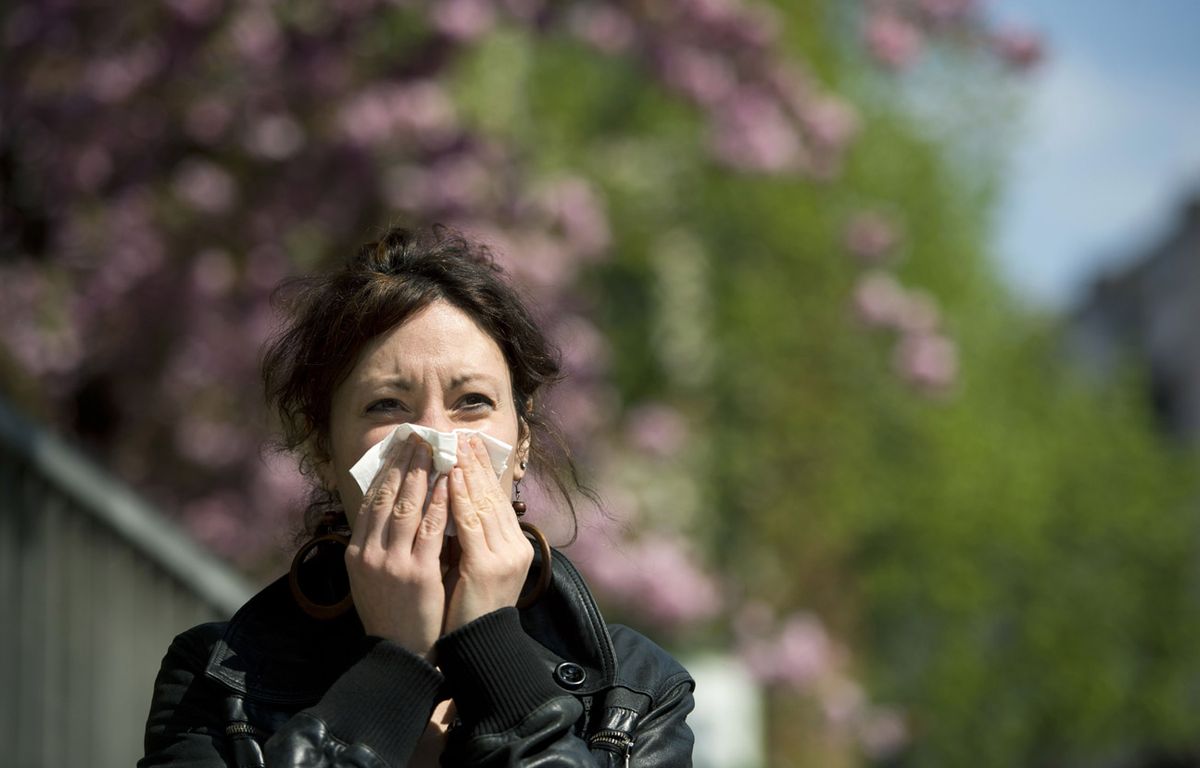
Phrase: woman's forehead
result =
(440, 337)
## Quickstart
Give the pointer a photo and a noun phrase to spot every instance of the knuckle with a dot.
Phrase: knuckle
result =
(381, 502)
(405, 508)
(430, 527)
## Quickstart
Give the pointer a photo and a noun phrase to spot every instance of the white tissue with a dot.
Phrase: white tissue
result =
(445, 454)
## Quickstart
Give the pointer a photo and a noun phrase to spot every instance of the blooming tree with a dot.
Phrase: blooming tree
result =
(165, 166)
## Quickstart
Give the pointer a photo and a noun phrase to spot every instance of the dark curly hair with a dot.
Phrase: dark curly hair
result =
(331, 317)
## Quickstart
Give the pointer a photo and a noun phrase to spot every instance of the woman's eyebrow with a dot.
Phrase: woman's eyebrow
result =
(407, 385)
(466, 378)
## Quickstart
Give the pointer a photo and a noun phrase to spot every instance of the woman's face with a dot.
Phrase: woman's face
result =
(438, 369)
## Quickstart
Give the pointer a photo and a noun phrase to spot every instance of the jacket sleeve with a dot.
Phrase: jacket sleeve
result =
(513, 714)
(371, 717)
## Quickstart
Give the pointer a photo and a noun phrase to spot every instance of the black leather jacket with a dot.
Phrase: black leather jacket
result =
(550, 685)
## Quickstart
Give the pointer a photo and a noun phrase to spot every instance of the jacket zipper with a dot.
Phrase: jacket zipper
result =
(614, 741)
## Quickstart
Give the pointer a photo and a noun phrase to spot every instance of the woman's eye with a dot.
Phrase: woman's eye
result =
(385, 406)
(476, 401)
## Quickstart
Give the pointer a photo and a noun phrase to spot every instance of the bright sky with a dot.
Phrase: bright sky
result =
(1111, 142)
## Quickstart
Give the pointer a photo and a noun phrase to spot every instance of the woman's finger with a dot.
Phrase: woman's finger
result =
(485, 488)
(466, 517)
(410, 500)
(431, 531)
(377, 503)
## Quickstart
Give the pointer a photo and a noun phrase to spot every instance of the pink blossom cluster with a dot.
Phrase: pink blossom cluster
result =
(923, 355)
(764, 113)
(798, 653)
(896, 32)
(657, 577)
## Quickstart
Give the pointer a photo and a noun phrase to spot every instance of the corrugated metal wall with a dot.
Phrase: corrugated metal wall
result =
(94, 587)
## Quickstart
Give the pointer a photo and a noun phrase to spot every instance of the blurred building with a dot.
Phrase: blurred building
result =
(1149, 314)
(95, 585)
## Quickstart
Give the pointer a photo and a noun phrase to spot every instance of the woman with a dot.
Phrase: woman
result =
(433, 663)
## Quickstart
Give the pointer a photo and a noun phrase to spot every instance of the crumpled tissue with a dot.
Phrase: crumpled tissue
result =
(445, 455)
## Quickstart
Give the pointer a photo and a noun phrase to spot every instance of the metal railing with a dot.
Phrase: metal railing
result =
(95, 585)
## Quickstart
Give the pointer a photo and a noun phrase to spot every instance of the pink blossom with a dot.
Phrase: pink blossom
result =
(945, 11)
(205, 186)
(1020, 49)
(752, 133)
(829, 122)
(753, 27)
(582, 410)
(206, 120)
(461, 180)
(44, 351)
(463, 20)
(541, 262)
(213, 273)
(278, 483)
(391, 112)
(702, 76)
(275, 137)
(882, 733)
(871, 236)
(113, 80)
(195, 11)
(656, 429)
(585, 350)
(93, 167)
(878, 299)
(257, 36)
(804, 651)
(674, 590)
(214, 521)
(798, 655)
(609, 569)
(210, 443)
(929, 361)
(892, 40)
(579, 212)
(605, 27)
(266, 265)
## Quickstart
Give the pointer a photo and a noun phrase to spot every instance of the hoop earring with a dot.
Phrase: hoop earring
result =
(329, 532)
(543, 580)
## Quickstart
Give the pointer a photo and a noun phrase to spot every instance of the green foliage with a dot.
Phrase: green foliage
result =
(1016, 557)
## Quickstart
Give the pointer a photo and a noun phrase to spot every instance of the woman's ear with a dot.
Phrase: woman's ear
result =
(521, 454)
(326, 475)
(322, 467)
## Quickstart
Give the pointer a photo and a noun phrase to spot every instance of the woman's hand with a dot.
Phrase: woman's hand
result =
(393, 558)
(495, 555)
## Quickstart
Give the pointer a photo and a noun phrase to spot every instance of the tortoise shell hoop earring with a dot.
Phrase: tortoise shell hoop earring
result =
(333, 531)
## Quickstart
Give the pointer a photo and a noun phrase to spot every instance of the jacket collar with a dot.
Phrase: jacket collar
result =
(272, 651)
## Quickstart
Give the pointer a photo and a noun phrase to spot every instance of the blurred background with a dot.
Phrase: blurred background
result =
(882, 320)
